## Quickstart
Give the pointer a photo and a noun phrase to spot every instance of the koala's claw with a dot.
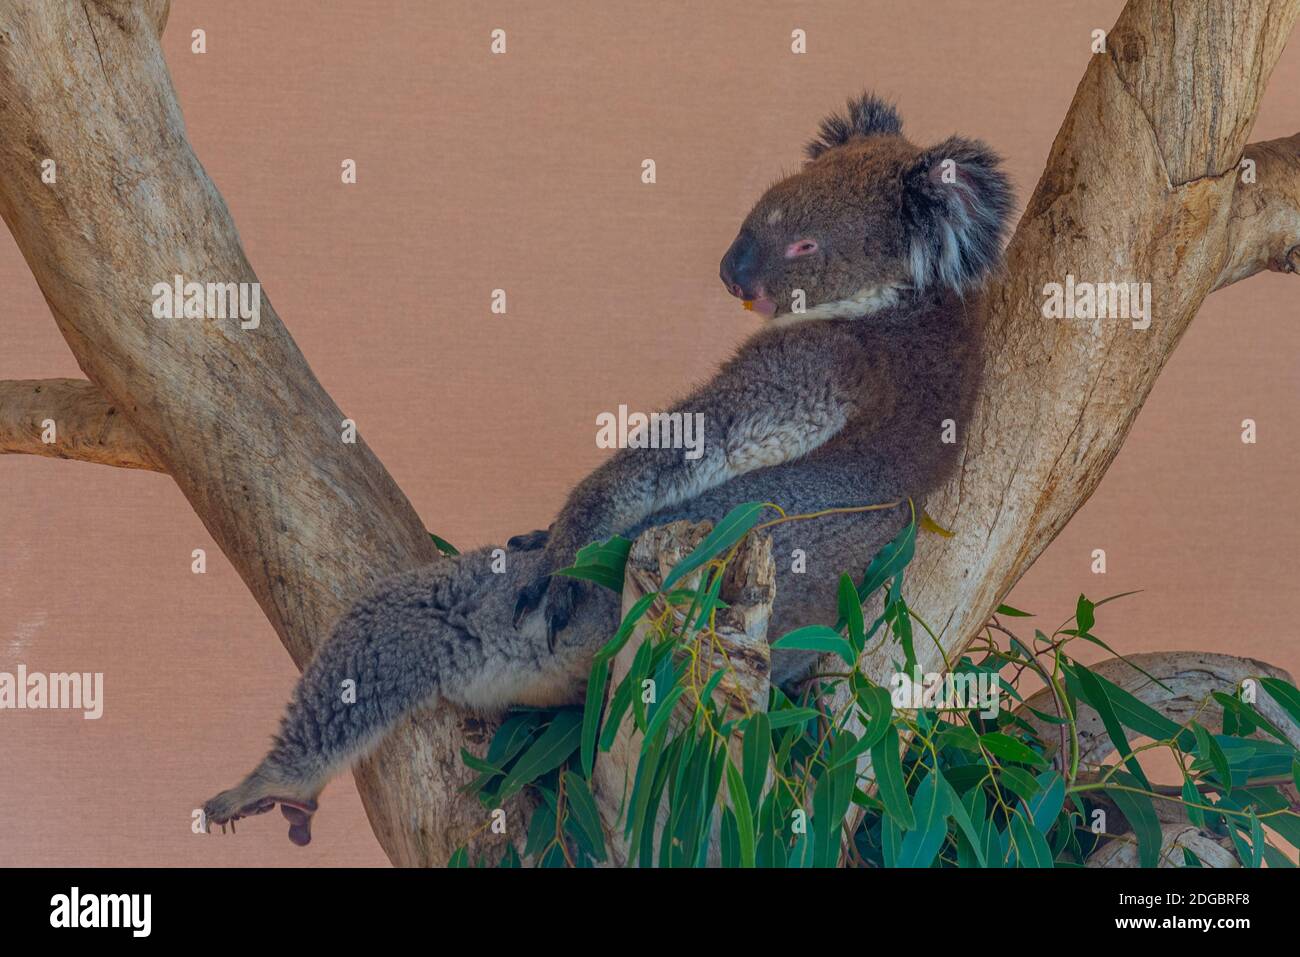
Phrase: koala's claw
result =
(529, 541)
(559, 595)
(530, 596)
(224, 809)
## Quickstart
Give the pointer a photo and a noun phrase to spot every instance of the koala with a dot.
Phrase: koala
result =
(865, 265)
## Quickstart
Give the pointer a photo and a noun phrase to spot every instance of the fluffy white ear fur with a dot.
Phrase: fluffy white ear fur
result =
(957, 203)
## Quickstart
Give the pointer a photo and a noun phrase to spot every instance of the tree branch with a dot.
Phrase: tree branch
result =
(233, 414)
(1264, 225)
(86, 426)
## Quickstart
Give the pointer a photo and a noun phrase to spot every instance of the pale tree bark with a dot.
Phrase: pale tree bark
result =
(69, 419)
(1141, 185)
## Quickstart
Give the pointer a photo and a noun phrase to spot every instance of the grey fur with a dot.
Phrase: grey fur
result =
(823, 414)
(868, 115)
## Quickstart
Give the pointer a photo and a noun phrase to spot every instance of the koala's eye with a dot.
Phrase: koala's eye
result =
(801, 247)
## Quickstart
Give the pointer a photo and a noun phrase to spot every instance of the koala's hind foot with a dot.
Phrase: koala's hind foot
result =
(258, 794)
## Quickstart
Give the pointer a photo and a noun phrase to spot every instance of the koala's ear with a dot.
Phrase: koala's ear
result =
(868, 115)
(957, 205)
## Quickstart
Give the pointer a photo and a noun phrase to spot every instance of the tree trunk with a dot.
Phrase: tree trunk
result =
(234, 415)
(1141, 185)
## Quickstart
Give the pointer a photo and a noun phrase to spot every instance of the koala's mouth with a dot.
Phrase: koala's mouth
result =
(764, 305)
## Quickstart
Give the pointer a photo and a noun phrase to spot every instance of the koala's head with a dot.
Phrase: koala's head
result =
(869, 220)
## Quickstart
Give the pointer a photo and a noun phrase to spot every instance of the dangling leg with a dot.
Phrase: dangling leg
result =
(439, 633)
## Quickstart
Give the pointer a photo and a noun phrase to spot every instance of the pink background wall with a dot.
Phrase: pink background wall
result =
(522, 171)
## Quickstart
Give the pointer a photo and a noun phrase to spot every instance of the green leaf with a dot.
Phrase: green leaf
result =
(1030, 847)
(755, 751)
(1141, 815)
(889, 561)
(591, 712)
(551, 749)
(514, 733)
(475, 763)
(1284, 694)
(961, 815)
(888, 767)
(1083, 615)
(601, 562)
(583, 814)
(771, 843)
(900, 623)
(460, 858)
(1093, 639)
(661, 715)
(817, 638)
(1209, 749)
(645, 787)
(626, 627)
(1191, 797)
(1018, 781)
(928, 523)
(875, 702)
(891, 840)
(709, 601)
(961, 736)
(1095, 693)
(444, 546)
(1044, 806)
(851, 612)
(1256, 841)
(733, 527)
(831, 799)
(729, 839)
(1247, 718)
(922, 844)
(1010, 612)
(736, 790)
(789, 716)
(1136, 714)
(1275, 858)
(1010, 749)
(541, 830)
(618, 706)
(801, 855)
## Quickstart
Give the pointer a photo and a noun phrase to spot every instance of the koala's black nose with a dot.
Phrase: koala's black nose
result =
(740, 267)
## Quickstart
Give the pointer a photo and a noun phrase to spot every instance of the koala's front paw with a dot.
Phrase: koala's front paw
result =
(529, 541)
(558, 596)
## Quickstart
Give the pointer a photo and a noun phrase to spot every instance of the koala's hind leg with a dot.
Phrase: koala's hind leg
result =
(439, 633)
